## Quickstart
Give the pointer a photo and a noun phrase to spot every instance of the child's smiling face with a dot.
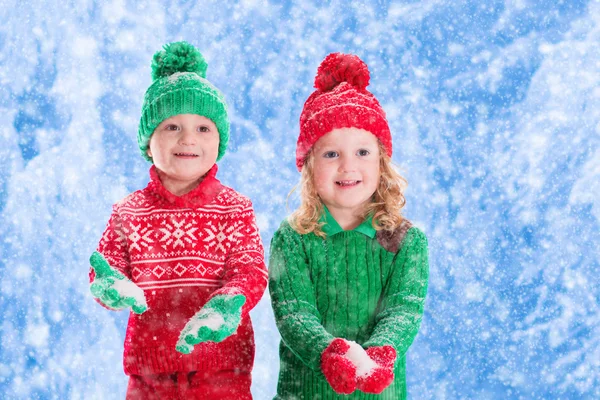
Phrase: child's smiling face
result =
(183, 149)
(346, 170)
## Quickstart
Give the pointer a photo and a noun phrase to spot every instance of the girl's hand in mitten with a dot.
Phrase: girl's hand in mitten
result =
(113, 289)
(338, 368)
(380, 373)
(216, 321)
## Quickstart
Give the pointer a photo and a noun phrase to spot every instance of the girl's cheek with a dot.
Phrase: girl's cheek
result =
(318, 184)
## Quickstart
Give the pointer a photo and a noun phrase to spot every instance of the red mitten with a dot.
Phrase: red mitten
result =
(378, 378)
(339, 371)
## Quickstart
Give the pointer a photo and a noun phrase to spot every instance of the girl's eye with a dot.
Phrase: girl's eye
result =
(330, 154)
(363, 152)
(203, 129)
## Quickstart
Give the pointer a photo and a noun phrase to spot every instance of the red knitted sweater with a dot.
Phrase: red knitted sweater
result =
(182, 251)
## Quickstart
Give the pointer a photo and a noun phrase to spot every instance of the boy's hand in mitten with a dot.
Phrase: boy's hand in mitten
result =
(338, 368)
(376, 378)
(216, 321)
(113, 289)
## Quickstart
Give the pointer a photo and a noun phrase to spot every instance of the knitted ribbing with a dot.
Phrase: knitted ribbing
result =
(346, 285)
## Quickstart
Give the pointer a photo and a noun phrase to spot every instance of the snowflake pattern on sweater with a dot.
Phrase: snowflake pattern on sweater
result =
(182, 251)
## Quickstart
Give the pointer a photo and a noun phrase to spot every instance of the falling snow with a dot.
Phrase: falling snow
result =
(494, 107)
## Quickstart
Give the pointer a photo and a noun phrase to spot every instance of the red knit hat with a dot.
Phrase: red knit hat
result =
(341, 101)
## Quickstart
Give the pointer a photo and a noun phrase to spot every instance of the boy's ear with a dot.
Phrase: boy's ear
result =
(149, 152)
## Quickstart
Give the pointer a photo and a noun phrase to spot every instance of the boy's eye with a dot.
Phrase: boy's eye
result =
(330, 154)
(363, 152)
(203, 128)
(171, 127)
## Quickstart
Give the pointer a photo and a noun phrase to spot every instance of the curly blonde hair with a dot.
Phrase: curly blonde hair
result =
(385, 206)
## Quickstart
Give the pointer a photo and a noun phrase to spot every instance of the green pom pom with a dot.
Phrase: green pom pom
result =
(178, 57)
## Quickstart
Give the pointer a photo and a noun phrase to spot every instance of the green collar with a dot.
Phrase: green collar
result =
(331, 226)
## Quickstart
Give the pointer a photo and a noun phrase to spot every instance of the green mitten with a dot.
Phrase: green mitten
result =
(113, 289)
(216, 321)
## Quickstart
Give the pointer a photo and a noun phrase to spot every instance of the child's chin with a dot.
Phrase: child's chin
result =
(355, 203)
(187, 175)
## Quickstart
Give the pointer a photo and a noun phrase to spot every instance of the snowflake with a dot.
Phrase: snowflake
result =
(220, 237)
(176, 233)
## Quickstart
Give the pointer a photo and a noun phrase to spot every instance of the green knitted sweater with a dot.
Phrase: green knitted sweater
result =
(363, 285)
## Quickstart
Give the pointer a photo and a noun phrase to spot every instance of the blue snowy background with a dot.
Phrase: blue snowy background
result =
(495, 112)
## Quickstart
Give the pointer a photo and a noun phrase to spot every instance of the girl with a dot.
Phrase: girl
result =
(347, 273)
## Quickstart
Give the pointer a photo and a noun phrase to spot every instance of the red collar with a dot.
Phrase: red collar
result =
(202, 194)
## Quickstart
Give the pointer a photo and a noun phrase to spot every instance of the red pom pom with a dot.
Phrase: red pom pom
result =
(337, 68)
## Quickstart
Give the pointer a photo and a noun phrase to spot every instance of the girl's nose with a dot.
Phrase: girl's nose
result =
(346, 164)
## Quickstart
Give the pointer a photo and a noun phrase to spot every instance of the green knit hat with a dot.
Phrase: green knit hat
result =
(180, 87)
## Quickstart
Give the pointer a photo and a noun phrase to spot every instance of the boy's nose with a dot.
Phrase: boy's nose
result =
(188, 137)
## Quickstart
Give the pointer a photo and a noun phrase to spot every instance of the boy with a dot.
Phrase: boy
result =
(184, 253)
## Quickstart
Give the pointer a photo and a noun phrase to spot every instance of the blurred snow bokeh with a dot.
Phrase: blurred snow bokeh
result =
(494, 109)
